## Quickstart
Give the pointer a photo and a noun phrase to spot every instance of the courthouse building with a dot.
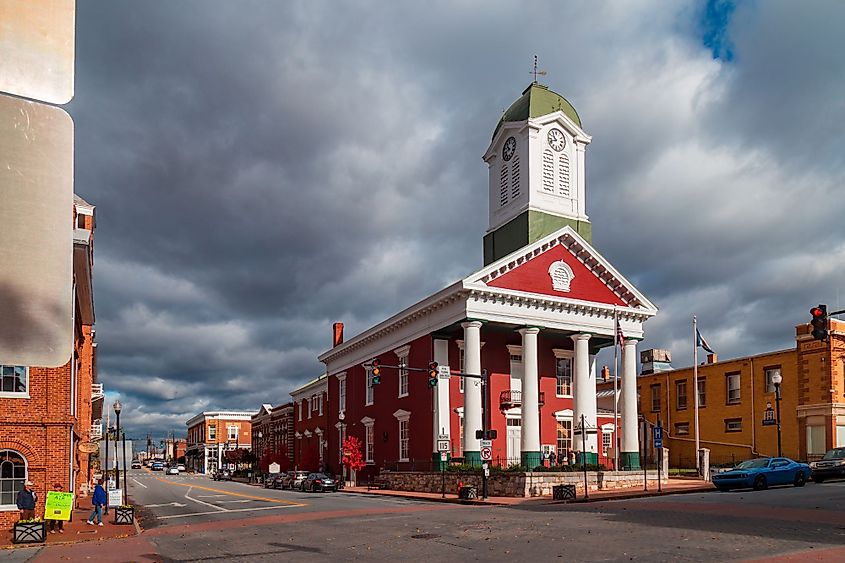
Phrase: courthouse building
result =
(534, 318)
(50, 417)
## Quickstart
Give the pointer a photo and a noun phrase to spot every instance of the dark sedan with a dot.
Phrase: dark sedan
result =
(319, 482)
(831, 466)
(221, 475)
(761, 473)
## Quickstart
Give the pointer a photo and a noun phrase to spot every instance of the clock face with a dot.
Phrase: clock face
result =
(556, 139)
(509, 149)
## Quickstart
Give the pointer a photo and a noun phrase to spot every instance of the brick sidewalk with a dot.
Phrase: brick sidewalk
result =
(75, 531)
(674, 486)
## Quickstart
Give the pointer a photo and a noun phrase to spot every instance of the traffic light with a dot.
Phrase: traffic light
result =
(432, 374)
(376, 369)
(819, 322)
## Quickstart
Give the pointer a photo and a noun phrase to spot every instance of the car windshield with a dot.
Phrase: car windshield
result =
(835, 453)
(753, 464)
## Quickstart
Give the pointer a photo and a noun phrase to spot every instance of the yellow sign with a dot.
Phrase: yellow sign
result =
(58, 506)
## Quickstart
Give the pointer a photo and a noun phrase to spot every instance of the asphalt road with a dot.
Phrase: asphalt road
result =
(781, 524)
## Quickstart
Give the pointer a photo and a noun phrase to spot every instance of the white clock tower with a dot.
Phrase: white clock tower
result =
(536, 165)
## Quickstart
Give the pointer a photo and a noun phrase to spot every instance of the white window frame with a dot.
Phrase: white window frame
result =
(15, 394)
(13, 506)
(564, 355)
(369, 440)
(606, 442)
(682, 429)
(729, 377)
(768, 372)
(733, 425)
(402, 354)
(702, 391)
(320, 404)
(212, 432)
(679, 384)
(564, 440)
(341, 392)
(229, 432)
(403, 417)
(369, 391)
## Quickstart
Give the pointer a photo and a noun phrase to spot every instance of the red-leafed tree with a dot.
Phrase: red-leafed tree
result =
(352, 457)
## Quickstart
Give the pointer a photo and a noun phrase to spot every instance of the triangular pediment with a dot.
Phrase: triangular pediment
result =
(563, 265)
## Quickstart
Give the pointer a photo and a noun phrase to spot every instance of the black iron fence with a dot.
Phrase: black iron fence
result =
(457, 464)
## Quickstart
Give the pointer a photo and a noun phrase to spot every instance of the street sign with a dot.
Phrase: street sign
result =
(443, 372)
(275, 468)
(486, 443)
(442, 436)
(486, 453)
(443, 446)
(658, 433)
(658, 443)
(115, 497)
(444, 456)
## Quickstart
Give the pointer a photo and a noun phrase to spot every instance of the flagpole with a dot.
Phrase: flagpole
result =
(615, 390)
(695, 387)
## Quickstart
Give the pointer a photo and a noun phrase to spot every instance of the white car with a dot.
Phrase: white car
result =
(180, 467)
(173, 470)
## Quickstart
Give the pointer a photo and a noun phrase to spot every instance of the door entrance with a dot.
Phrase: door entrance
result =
(514, 441)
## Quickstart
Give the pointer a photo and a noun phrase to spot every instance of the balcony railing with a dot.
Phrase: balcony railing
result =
(513, 398)
(96, 432)
(97, 391)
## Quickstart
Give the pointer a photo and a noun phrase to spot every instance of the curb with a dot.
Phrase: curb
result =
(433, 499)
(639, 494)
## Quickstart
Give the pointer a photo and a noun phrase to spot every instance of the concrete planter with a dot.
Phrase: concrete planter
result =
(29, 532)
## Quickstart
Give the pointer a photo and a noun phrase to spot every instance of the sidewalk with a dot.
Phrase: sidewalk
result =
(76, 530)
(674, 486)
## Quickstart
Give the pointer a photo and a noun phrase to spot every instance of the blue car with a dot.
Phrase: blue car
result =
(760, 473)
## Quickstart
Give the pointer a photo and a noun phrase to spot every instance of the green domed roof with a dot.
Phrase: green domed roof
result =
(535, 101)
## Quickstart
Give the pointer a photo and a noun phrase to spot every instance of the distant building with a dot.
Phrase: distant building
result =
(273, 436)
(50, 417)
(735, 395)
(310, 424)
(212, 433)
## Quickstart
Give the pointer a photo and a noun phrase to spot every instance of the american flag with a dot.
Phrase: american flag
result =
(619, 336)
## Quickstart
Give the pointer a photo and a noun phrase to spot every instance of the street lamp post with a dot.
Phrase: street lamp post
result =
(117, 408)
(777, 378)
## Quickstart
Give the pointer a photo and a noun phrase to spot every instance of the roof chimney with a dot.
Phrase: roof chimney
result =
(337, 334)
(712, 358)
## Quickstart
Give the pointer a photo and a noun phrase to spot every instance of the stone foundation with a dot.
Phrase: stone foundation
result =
(514, 484)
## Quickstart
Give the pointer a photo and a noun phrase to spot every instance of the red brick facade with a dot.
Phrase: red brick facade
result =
(273, 436)
(311, 425)
(47, 424)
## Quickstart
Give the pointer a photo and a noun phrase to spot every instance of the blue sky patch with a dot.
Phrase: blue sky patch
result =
(714, 27)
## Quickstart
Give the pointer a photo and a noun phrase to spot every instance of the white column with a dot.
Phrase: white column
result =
(585, 394)
(530, 432)
(441, 419)
(630, 435)
(472, 390)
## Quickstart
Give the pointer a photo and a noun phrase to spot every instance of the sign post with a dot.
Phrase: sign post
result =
(658, 443)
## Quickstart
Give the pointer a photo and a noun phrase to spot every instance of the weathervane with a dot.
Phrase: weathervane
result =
(536, 72)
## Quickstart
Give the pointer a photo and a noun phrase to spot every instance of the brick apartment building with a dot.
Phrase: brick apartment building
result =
(49, 417)
(273, 436)
(735, 395)
(212, 433)
(311, 424)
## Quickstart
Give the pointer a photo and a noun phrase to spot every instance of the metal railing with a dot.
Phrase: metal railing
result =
(513, 398)
(97, 391)
(96, 432)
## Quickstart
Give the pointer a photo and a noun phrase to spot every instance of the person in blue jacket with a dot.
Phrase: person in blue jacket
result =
(99, 500)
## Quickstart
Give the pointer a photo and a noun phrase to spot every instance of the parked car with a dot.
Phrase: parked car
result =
(319, 482)
(831, 466)
(136, 465)
(294, 480)
(273, 480)
(762, 472)
(181, 467)
(222, 475)
(157, 466)
(172, 471)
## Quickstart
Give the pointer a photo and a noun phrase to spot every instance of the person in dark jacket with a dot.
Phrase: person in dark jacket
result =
(99, 500)
(27, 497)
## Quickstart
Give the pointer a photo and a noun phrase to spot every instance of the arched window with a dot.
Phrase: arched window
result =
(515, 177)
(563, 176)
(12, 476)
(503, 186)
(548, 171)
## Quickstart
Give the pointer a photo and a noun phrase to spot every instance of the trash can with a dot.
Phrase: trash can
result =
(468, 493)
(563, 492)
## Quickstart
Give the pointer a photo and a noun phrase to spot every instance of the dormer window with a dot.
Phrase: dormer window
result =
(561, 275)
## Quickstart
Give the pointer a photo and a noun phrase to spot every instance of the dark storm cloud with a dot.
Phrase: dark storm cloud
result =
(263, 169)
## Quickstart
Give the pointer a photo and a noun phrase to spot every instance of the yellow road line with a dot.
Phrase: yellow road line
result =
(277, 501)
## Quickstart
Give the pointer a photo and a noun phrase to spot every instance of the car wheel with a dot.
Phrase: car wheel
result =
(760, 483)
(818, 480)
(800, 479)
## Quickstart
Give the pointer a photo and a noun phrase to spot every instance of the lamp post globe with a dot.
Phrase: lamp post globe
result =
(777, 379)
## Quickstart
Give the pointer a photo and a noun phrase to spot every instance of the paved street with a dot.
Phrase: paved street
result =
(191, 518)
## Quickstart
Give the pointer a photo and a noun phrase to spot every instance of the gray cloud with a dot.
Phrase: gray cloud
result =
(263, 169)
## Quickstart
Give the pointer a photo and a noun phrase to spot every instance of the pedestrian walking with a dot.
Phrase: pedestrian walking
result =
(27, 497)
(60, 524)
(552, 459)
(98, 499)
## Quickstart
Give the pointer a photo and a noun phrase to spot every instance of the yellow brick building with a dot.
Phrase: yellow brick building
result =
(736, 393)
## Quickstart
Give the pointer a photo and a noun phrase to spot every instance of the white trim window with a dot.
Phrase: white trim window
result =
(369, 395)
(212, 432)
(14, 381)
(369, 443)
(769, 374)
(13, 474)
(404, 439)
(341, 393)
(606, 442)
(564, 437)
(732, 384)
(563, 376)
(232, 432)
(299, 408)
(402, 355)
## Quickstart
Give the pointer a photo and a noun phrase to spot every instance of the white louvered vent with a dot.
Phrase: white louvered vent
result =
(515, 177)
(563, 176)
(548, 171)
(503, 186)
